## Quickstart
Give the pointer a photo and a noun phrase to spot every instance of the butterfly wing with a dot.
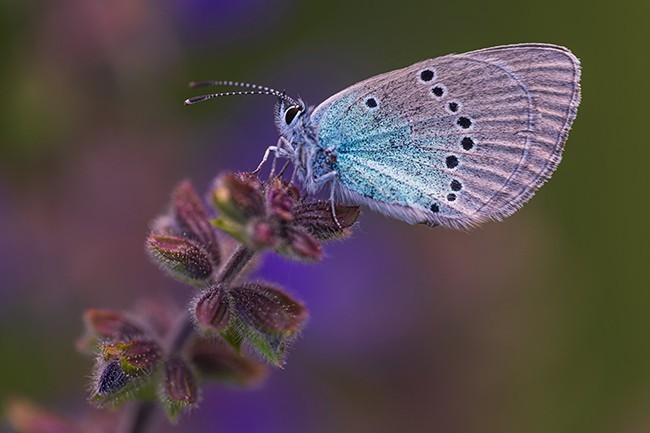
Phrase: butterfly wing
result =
(455, 140)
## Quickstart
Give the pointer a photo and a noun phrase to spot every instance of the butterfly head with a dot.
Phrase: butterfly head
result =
(289, 114)
(292, 118)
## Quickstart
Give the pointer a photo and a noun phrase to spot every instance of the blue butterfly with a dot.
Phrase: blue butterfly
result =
(453, 141)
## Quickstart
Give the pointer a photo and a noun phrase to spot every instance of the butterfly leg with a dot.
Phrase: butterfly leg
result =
(336, 220)
(268, 151)
(285, 151)
(330, 176)
(279, 150)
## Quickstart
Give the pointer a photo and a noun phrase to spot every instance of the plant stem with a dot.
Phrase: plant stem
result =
(239, 258)
(140, 418)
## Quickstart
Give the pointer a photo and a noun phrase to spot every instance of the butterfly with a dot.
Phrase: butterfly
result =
(454, 141)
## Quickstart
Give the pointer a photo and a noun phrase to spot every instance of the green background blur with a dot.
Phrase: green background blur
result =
(538, 324)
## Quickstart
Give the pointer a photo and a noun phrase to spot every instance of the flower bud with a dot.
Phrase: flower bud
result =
(122, 369)
(318, 220)
(137, 357)
(216, 360)
(112, 385)
(281, 199)
(181, 258)
(110, 324)
(112, 379)
(265, 318)
(261, 234)
(192, 220)
(238, 197)
(212, 310)
(299, 244)
(179, 389)
(268, 309)
(106, 325)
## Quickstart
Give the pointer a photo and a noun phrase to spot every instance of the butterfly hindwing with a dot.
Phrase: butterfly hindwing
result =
(455, 140)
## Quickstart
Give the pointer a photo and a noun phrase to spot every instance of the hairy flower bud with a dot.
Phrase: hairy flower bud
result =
(111, 324)
(261, 233)
(137, 357)
(216, 360)
(238, 196)
(281, 199)
(317, 218)
(212, 310)
(113, 379)
(301, 245)
(112, 385)
(122, 369)
(272, 215)
(266, 318)
(192, 220)
(181, 258)
(178, 389)
(268, 309)
(107, 325)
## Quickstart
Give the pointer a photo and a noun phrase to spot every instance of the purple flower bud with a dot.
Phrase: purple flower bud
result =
(192, 220)
(281, 199)
(137, 357)
(261, 234)
(106, 325)
(180, 384)
(299, 244)
(112, 380)
(268, 309)
(239, 196)
(113, 384)
(317, 219)
(181, 258)
(179, 388)
(216, 360)
(110, 324)
(212, 310)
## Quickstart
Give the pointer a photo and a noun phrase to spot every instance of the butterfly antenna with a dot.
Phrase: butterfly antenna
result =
(257, 90)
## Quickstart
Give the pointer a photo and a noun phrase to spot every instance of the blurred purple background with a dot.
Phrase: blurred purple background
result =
(537, 324)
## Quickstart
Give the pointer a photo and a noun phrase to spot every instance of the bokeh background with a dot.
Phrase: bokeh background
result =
(538, 324)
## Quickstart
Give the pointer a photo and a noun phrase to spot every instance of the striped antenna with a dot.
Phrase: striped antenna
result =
(257, 90)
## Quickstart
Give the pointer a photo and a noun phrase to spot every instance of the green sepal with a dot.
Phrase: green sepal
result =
(233, 338)
(173, 409)
(270, 347)
(230, 227)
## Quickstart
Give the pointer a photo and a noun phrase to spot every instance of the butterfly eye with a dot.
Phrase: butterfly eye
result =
(291, 114)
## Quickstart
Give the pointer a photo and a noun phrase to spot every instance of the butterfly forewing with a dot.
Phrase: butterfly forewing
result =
(455, 140)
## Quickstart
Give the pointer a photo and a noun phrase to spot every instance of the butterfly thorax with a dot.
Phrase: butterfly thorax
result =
(312, 162)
